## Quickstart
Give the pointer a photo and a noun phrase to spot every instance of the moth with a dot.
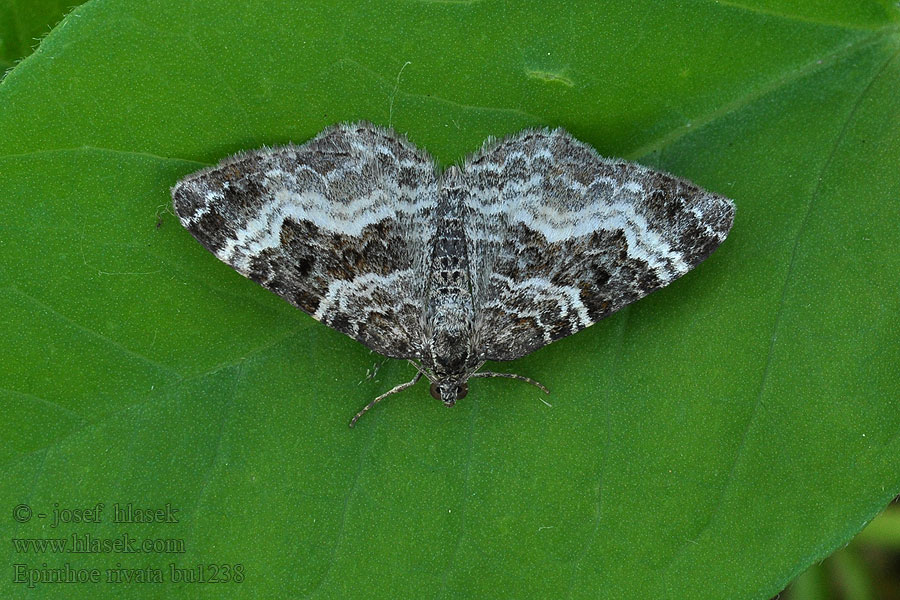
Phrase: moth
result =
(532, 238)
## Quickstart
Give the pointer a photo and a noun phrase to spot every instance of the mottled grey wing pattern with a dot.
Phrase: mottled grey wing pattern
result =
(560, 237)
(339, 227)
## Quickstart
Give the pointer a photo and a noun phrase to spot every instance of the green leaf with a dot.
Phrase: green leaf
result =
(23, 23)
(710, 441)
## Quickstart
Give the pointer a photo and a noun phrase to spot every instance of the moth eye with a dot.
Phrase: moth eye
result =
(462, 390)
(435, 392)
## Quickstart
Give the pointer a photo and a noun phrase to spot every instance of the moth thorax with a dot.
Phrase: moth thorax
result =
(451, 343)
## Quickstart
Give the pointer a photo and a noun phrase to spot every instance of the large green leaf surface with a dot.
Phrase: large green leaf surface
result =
(710, 441)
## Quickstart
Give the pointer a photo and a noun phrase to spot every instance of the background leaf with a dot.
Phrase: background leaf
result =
(710, 441)
(23, 23)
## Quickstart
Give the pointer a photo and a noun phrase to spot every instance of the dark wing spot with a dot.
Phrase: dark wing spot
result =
(602, 277)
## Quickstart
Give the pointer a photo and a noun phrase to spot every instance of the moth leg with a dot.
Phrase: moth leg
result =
(512, 376)
(393, 390)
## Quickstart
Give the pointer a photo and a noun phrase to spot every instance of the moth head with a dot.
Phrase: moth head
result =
(449, 392)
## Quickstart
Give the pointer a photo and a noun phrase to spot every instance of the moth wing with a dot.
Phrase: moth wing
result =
(339, 227)
(560, 237)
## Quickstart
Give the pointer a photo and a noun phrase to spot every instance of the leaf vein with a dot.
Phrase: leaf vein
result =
(94, 334)
(785, 79)
(729, 482)
(789, 17)
(345, 509)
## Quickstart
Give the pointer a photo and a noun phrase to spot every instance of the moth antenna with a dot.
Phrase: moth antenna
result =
(394, 390)
(512, 376)
(422, 370)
